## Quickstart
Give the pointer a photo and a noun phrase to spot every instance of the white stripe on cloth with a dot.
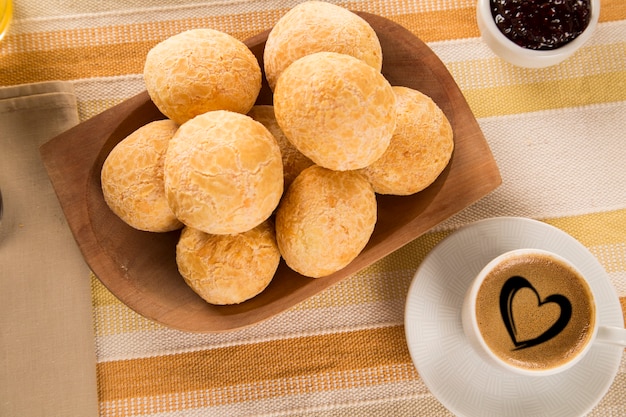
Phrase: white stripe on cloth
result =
(288, 325)
(336, 402)
(37, 16)
(554, 163)
(475, 49)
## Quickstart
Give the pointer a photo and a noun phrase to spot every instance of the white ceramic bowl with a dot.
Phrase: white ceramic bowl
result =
(529, 58)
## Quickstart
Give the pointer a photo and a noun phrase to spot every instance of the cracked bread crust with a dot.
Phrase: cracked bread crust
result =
(336, 110)
(132, 178)
(294, 161)
(316, 26)
(228, 269)
(325, 220)
(200, 70)
(420, 148)
(223, 173)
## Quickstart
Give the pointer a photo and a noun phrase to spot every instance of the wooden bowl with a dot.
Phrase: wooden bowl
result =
(140, 267)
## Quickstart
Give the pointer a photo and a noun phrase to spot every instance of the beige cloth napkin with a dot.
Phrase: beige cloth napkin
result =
(47, 352)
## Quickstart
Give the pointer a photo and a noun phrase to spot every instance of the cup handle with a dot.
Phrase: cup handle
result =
(612, 335)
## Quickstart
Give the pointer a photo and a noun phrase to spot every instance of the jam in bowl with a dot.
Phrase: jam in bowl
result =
(536, 33)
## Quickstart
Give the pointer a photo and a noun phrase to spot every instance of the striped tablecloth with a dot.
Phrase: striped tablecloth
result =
(558, 135)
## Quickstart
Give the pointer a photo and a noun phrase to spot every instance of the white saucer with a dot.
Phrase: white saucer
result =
(454, 372)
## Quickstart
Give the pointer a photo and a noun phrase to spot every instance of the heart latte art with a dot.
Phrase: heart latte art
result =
(535, 312)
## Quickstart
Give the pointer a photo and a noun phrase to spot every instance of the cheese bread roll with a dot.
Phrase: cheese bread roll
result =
(317, 26)
(228, 269)
(325, 220)
(132, 178)
(336, 110)
(420, 148)
(223, 173)
(200, 70)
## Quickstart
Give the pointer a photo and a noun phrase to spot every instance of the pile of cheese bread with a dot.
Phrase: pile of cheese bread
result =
(251, 184)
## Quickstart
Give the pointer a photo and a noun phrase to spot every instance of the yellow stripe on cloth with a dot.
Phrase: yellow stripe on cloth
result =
(306, 393)
(439, 25)
(595, 229)
(596, 74)
(381, 350)
(67, 55)
(611, 10)
(593, 89)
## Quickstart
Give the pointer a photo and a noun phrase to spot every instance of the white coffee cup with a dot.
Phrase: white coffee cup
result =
(506, 328)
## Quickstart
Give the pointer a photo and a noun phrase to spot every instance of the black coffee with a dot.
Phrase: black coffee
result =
(535, 312)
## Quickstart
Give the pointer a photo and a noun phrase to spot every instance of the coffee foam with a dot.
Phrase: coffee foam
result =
(531, 315)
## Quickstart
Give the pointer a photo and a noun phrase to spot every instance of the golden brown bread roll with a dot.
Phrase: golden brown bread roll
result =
(420, 148)
(223, 173)
(228, 269)
(316, 26)
(324, 220)
(200, 70)
(336, 110)
(132, 178)
(293, 160)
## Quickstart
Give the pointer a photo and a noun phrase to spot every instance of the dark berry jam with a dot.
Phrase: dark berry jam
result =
(541, 24)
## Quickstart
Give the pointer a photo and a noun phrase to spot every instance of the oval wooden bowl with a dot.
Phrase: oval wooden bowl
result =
(140, 268)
